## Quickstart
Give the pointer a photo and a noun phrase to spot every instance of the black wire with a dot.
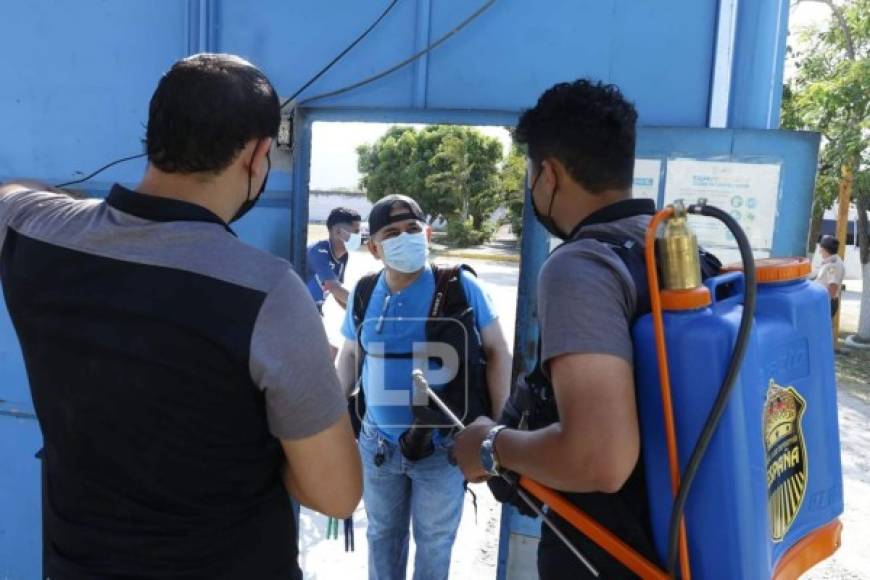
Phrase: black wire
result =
(340, 91)
(290, 99)
(408, 60)
(734, 365)
(341, 54)
(100, 170)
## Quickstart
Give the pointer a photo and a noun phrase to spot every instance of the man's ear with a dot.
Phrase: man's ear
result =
(550, 173)
(557, 175)
(262, 150)
(373, 248)
(428, 230)
(256, 162)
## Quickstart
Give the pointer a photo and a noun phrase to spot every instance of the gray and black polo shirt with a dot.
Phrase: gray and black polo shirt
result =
(587, 301)
(166, 359)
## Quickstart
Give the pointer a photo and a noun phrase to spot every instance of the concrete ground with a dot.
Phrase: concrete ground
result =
(852, 561)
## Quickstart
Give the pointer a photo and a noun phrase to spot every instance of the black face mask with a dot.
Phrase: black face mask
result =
(249, 202)
(546, 220)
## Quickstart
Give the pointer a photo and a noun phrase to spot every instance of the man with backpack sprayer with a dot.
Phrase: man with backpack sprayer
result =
(582, 432)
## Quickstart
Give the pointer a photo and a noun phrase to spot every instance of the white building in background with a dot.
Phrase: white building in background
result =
(320, 203)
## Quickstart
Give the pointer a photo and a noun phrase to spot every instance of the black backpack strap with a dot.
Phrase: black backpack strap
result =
(631, 253)
(362, 294)
(469, 397)
(710, 264)
(449, 298)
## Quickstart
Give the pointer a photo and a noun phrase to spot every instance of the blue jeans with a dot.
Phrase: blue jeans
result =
(429, 493)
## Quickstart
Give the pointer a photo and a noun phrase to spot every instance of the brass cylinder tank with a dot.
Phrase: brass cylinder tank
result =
(678, 253)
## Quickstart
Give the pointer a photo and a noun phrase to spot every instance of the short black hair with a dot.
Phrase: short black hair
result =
(830, 243)
(589, 127)
(204, 111)
(342, 215)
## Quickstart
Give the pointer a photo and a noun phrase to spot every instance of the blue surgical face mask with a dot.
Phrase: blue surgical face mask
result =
(406, 252)
(353, 242)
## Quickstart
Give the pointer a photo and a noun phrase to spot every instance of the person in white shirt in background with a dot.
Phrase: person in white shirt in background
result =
(831, 271)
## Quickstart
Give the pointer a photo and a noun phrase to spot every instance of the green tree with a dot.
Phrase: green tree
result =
(465, 169)
(513, 184)
(388, 165)
(452, 171)
(831, 94)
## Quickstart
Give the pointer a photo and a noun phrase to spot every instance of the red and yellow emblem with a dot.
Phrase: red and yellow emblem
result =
(786, 457)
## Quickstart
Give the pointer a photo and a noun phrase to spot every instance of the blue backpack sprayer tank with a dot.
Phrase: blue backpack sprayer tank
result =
(761, 453)
(737, 404)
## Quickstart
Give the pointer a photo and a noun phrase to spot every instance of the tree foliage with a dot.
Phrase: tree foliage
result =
(513, 179)
(452, 171)
(831, 94)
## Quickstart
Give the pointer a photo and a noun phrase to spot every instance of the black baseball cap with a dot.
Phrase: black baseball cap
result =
(379, 216)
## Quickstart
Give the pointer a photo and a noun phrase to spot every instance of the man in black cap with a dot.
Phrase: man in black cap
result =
(831, 271)
(398, 320)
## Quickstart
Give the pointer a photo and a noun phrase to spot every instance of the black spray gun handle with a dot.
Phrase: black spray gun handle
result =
(422, 390)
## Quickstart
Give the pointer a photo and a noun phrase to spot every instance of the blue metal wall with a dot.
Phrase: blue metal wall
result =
(502, 61)
(77, 77)
(75, 93)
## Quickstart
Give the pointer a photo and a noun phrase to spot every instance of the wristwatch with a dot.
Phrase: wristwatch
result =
(487, 451)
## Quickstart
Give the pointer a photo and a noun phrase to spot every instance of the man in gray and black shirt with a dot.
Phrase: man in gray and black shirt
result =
(580, 138)
(182, 379)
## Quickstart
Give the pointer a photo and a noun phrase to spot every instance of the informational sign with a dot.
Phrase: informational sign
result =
(647, 176)
(748, 191)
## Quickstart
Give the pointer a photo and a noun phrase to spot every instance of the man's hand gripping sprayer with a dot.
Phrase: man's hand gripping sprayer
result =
(421, 387)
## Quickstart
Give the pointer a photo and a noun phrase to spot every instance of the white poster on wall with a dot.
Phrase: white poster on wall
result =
(748, 191)
(647, 176)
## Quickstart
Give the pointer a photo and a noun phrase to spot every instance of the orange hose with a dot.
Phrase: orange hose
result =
(664, 375)
(630, 558)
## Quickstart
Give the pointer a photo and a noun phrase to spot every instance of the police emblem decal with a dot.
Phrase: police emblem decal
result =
(786, 457)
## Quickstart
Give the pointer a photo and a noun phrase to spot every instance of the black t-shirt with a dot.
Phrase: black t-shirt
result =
(624, 513)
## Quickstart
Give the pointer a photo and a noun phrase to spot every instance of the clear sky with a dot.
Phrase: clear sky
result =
(333, 150)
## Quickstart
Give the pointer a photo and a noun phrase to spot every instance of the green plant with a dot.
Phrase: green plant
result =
(463, 233)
